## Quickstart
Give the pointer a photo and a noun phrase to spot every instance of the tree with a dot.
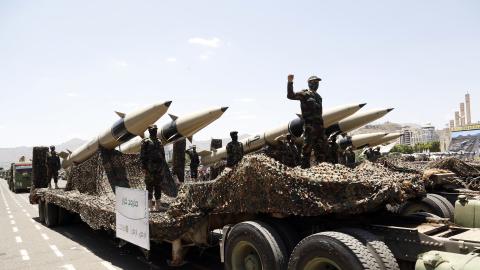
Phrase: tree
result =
(402, 148)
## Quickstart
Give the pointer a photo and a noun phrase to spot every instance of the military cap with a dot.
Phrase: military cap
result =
(152, 127)
(314, 78)
(233, 132)
(52, 147)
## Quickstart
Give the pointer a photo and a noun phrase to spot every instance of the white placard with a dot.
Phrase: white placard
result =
(131, 210)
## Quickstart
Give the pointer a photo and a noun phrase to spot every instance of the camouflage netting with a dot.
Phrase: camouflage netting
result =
(258, 184)
(456, 166)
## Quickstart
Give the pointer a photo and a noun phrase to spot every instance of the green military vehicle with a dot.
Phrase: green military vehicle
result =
(20, 178)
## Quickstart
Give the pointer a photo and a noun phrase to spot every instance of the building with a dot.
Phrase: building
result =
(467, 104)
(428, 134)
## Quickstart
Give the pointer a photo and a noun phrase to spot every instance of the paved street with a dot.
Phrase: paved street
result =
(25, 243)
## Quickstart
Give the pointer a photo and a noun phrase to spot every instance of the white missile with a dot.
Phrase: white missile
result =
(387, 138)
(179, 128)
(294, 127)
(357, 120)
(360, 140)
(127, 127)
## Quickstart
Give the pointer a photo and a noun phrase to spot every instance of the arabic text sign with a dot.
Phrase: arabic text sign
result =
(131, 210)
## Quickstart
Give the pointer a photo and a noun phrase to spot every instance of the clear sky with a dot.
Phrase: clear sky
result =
(65, 66)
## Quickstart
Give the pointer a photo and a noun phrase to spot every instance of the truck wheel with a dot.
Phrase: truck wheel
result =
(41, 211)
(65, 217)
(254, 245)
(446, 203)
(331, 250)
(377, 247)
(427, 204)
(51, 215)
(288, 234)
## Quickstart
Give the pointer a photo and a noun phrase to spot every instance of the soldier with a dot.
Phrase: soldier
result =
(234, 150)
(313, 129)
(333, 149)
(194, 162)
(369, 154)
(349, 157)
(53, 165)
(376, 153)
(290, 153)
(152, 156)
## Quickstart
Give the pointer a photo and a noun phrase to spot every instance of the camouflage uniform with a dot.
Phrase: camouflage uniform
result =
(194, 163)
(53, 165)
(152, 156)
(290, 154)
(349, 157)
(313, 129)
(234, 151)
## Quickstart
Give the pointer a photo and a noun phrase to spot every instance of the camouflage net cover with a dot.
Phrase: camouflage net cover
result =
(258, 184)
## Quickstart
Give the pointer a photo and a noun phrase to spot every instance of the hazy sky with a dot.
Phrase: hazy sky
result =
(65, 66)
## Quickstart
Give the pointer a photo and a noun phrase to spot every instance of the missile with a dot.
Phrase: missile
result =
(355, 121)
(127, 127)
(360, 140)
(179, 128)
(294, 127)
(387, 138)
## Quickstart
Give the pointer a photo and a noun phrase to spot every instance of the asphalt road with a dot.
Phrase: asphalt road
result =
(25, 243)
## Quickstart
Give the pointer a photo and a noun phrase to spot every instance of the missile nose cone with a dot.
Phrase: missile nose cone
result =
(389, 110)
(168, 103)
(362, 105)
(224, 109)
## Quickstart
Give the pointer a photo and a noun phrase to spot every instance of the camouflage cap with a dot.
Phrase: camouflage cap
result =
(151, 127)
(314, 78)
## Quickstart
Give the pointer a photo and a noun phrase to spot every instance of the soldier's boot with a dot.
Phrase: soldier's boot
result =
(56, 186)
(150, 205)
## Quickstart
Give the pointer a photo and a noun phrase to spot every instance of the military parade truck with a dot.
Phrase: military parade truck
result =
(263, 215)
(20, 178)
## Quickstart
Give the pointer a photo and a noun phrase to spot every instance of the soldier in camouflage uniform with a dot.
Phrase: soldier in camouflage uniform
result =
(194, 162)
(313, 129)
(349, 157)
(152, 157)
(53, 165)
(234, 150)
(332, 149)
(290, 153)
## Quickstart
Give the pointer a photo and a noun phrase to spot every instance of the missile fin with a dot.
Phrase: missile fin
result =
(63, 154)
(174, 117)
(121, 114)
(299, 115)
(70, 152)
(190, 139)
(204, 153)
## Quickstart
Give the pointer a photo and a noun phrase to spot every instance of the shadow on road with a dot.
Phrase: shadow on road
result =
(127, 256)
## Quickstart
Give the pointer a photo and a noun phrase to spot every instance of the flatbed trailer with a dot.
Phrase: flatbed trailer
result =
(381, 240)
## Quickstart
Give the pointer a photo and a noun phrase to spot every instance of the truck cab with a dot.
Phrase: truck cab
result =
(20, 176)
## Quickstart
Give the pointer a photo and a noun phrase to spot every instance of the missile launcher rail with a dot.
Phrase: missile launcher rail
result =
(262, 197)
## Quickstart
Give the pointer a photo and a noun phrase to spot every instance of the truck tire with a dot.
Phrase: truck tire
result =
(51, 215)
(331, 250)
(427, 204)
(288, 234)
(377, 247)
(254, 245)
(446, 203)
(65, 217)
(41, 211)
